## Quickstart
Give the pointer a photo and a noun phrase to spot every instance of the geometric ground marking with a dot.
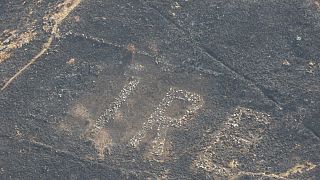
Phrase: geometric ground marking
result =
(159, 121)
(109, 113)
(235, 138)
(98, 133)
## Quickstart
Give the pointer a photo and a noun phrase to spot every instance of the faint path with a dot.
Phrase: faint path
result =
(57, 18)
(214, 57)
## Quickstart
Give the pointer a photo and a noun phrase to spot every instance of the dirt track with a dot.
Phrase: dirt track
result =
(159, 89)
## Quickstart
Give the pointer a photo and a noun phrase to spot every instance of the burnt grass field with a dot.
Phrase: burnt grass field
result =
(158, 89)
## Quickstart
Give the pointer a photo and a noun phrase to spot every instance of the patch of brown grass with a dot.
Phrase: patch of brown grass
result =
(15, 41)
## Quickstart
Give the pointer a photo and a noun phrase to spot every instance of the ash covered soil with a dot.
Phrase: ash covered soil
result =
(159, 89)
